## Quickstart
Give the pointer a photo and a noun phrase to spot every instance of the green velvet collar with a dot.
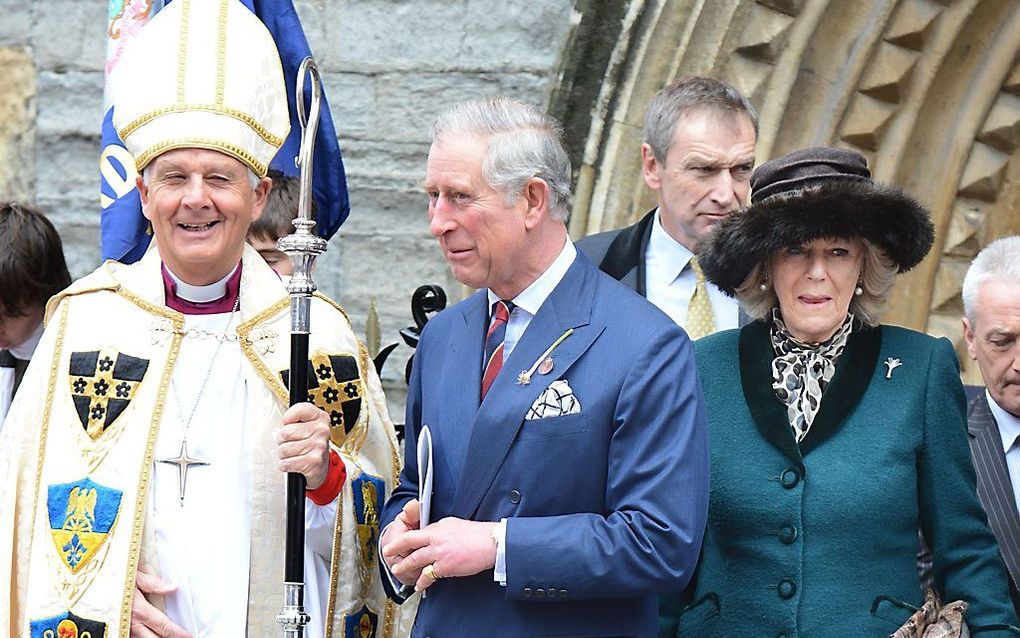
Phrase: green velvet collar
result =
(844, 392)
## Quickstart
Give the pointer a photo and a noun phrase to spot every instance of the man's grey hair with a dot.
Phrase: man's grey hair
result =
(521, 143)
(253, 179)
(685, 96)
(998, 260)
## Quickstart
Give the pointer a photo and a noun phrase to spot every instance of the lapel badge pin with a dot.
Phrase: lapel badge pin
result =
(891, 363)
(544, 363)
(546, 366)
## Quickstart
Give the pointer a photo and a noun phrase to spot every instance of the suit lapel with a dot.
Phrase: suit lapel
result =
(853, 373)
(993, 485)
(844, 392)
(460, 383)
(768, 411)
(625, 258)
(502, 412)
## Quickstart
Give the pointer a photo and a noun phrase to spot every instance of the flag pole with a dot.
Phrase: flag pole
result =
(302, 247)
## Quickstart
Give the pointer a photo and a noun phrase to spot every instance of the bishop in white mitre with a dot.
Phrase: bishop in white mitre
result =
(142, 465)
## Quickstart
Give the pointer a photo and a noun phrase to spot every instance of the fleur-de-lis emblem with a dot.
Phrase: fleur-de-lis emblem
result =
(891, 363)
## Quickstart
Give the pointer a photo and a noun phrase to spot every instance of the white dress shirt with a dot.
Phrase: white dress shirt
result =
(1009, 430)
(527, 303)
(24, 353)
(669, 283)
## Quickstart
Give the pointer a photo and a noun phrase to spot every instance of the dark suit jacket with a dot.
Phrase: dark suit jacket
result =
(7, 359)
(621, 253)
(605, 507)
(994, 488)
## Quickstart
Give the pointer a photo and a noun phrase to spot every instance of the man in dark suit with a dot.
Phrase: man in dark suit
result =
(569, 464)
(991, 299)
(32, 269)
(698, 153)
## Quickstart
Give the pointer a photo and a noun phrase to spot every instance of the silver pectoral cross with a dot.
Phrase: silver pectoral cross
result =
(891, 363)
(183, 462)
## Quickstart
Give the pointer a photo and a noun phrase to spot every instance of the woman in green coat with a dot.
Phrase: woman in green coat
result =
(834, 438)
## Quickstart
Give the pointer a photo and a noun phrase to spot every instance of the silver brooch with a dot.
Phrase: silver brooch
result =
(891, 363)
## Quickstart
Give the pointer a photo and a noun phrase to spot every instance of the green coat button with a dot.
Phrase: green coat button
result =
(787, 588)
(788, 534)
(789, 478)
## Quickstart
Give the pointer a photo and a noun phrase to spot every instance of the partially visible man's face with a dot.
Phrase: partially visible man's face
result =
(15, 329)
(706, 174)
(200, 203)
(479, 234)
(994, 341)
(276, 258)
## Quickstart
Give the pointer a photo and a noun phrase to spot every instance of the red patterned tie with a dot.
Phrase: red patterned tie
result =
(494, 343)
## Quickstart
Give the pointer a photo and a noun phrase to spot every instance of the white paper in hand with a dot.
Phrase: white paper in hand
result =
(425, 475)
(424, 480)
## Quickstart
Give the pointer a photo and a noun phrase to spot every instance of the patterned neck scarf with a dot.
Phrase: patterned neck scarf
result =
(800, 371)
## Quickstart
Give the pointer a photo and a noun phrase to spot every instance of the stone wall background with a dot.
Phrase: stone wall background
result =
(389, 66)
(929, 90)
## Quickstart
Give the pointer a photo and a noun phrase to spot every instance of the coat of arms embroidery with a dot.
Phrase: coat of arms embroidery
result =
(103, 382)
(335, 386)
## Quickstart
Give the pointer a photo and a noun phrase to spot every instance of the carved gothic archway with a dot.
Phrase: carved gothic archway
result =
(928, 90)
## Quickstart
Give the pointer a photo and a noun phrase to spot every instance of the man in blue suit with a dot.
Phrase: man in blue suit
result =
(569, 449)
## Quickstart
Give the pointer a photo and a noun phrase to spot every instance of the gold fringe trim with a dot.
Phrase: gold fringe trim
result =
(233, 150)
(268, 377)
(218, 108)
(44, 428)
(51, 305)
(323, 297)
(334, 566)
(142, 494)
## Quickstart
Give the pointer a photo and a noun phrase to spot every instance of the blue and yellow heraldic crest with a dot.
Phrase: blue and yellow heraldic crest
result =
(334, 385)
(368, 502)
(361, 624)
(81, 516)
(103, 382)
(67, 626)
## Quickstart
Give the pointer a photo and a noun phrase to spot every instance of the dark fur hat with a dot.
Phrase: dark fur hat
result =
(811, 194)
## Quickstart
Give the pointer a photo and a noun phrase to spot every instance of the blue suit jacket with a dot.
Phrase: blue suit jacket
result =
(605, 507)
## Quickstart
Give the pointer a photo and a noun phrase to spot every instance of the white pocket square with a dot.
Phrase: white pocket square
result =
(556, 400)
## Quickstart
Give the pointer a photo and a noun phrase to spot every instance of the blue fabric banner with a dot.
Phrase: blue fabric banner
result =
(329, 183)
(121, 222)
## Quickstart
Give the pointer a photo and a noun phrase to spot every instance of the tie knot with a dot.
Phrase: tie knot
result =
(696, 267)
(501, 310)
(6, 359)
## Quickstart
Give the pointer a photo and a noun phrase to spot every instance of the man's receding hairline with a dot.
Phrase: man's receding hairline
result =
(721, 113)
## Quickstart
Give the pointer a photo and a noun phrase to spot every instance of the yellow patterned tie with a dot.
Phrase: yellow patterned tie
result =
(700, 318)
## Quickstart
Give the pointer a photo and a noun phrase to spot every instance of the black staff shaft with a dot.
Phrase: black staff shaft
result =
(295, 556)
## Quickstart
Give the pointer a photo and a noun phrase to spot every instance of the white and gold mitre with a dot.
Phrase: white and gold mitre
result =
(202, 74)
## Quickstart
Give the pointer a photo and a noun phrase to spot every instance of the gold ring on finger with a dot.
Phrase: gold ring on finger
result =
(430, 571)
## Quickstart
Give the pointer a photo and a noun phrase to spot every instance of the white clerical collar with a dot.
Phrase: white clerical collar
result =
(25, 350)
(671, 257)
(1009, 425)
(201, 294)
(532, 297)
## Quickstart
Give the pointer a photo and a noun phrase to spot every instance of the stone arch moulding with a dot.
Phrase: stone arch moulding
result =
(928, 90)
